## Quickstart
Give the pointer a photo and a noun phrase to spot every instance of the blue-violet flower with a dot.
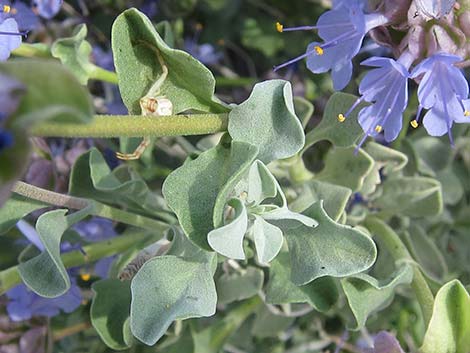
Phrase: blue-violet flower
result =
(386, 87)
(342, 30)
(443, 90)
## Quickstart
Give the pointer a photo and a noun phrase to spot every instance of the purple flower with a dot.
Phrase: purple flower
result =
(10, 92)
(10, 37)
(385, 343)
(342, 30)
(386, 87)
(24, 304)
(23, 15)
(47, 8)
(443, 90)
(205, 53)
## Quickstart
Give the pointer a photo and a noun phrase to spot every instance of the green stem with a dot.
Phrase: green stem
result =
(98, 73)
(40, 50)
(91, 253)
(108, 126)
(98, 209)
(37, 50)
(234, 82)
(399, 252)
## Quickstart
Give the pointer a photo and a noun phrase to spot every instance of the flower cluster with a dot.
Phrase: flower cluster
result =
(427, 54)
(19, 18)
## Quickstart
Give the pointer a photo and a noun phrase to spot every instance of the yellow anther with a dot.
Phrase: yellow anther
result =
(85, 277)
(319, 50)
(221, 42)
(414, 124)
(378, 128)
(466, 113)
(341, 118)
(279, 27)
(199, 26)
(6, 8)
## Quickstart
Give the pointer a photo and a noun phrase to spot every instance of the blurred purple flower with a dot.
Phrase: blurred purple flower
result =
(23, 14)
(47, 8)
(385, 343)
(386, 87)
(342, 30)
(150, 8)
(95, 230)
(103, 58)
(205, 53)
(10, 92)
(443, 90)
(24, 304)
(10, 37)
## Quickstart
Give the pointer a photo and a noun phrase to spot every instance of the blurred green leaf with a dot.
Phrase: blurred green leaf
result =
(53, 93)
(239, 285)
(410, 196)
(74, 52)
(344, 167)
(449, 328)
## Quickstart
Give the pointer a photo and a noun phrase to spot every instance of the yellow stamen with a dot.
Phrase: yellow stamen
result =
(378, 128)
(85, 277)
(6, 8)
(221, 42)
(319, 50)
(414, 124)
(199, 26)
(279, 27)
(341, 118)
(466, 113)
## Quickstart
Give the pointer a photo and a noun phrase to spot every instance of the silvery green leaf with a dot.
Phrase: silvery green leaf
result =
(366, 294)
(267, 120)
(228, 239)
(354, 251)
(283, 214)
(268, 240)
(169, 288)
(261, 183)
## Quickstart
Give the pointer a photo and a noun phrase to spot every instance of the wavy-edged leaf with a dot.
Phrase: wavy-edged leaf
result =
(92, 178)
(136, 46)
(410, 196)
(74, 52)
(110, 310)
(366, 294)
(350, 251)
(267, 119)
(228, 239)
(169, 288)
(198, 191)
(45, 274)
(322, 293)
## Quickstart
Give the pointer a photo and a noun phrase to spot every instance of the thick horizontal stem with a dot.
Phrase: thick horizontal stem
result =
(108, 126)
